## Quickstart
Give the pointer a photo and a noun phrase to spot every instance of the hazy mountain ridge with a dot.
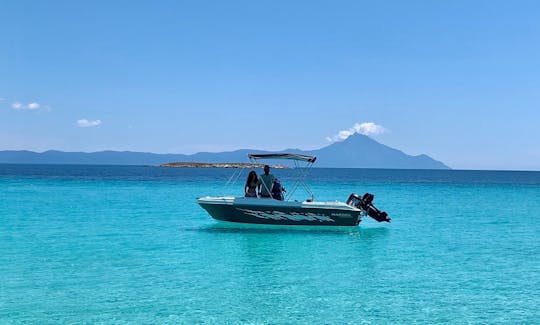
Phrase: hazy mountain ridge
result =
(357, 151)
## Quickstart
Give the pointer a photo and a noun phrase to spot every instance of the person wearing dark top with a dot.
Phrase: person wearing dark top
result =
(250, 189)
(277, 190)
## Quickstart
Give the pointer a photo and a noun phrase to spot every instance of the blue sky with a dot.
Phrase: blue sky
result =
(457, 80)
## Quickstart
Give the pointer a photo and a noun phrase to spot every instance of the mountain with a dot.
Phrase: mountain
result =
(362, 151)
(357, 151)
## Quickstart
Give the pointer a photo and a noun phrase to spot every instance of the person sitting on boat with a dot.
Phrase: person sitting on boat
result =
(266, 182)
(277, 190)
(252, 182)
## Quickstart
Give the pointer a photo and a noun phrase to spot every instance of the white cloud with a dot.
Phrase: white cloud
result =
(84, 123)
(33, 105)
(366, 128)
(30, 106)
(369, 128)
(17, 105)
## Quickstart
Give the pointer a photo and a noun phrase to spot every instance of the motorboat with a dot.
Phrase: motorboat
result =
(286, 211)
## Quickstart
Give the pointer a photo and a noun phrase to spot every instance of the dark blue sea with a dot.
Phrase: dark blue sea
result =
(129, 244)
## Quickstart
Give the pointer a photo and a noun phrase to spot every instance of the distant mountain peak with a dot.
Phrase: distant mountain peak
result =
(359, 150)
(358, 138)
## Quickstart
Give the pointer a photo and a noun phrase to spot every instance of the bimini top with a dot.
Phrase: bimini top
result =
(291, 156)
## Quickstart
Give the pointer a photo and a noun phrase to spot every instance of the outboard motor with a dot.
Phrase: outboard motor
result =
(365, 203)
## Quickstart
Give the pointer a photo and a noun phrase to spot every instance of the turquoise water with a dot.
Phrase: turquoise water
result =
(106, 244)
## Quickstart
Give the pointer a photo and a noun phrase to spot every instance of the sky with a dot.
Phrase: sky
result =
(456, 80)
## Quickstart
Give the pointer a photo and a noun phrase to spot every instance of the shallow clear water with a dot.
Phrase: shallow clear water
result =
(119, 244)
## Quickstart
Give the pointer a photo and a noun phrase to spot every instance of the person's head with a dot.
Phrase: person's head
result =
(252, 176)
(266, 169)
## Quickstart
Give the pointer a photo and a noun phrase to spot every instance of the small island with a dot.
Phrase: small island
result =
(217, 165)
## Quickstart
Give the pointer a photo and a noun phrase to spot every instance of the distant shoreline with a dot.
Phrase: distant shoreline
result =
(217, 165)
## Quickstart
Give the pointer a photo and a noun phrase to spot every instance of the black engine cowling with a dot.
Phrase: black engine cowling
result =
(366, 203)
